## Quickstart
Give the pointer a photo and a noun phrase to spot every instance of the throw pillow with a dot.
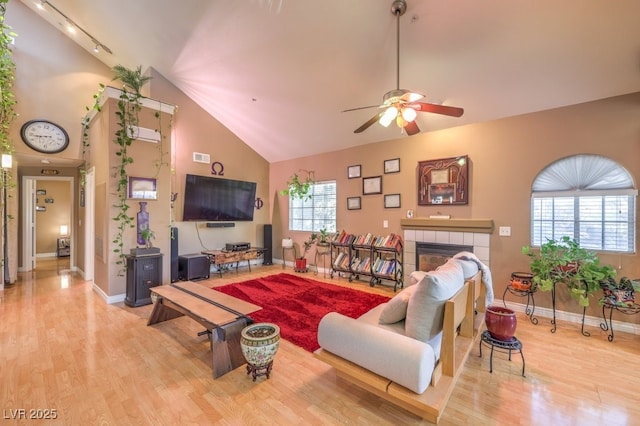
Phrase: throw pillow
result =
(396, 308)
(425, 311)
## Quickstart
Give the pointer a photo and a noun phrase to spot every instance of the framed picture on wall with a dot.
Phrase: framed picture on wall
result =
(392, 166)
(392, 201)
(372, 185)
(142, 188)
(443, 181)
(354, 171)
(353, 203)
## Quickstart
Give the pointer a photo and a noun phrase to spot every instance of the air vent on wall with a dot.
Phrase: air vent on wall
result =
(199, 157)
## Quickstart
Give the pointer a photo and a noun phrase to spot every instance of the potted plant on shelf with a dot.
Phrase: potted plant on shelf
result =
(298, 186)
(565, 261)
(323, 243)
(147, 235)
(301, 262)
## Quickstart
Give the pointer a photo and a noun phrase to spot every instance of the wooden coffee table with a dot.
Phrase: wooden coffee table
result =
(222, 316)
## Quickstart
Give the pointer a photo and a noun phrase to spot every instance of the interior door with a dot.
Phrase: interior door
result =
(29, 224)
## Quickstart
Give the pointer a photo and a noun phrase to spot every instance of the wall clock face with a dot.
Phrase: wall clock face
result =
(44, 136)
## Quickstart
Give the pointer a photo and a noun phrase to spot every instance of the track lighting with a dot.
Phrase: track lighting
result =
(72, 26)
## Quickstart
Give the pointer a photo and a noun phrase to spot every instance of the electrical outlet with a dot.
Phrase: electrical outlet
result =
(385, 223)
(505, 231)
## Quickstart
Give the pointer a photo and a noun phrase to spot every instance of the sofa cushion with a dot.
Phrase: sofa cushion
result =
(425, 309)
(396, 309)
(400, 359)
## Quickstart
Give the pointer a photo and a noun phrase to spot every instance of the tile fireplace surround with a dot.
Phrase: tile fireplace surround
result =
(469, 232)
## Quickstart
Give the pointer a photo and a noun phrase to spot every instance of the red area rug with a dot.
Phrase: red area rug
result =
(297, 304)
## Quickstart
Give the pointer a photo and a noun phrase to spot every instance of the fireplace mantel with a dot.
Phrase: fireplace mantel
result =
(481, 226)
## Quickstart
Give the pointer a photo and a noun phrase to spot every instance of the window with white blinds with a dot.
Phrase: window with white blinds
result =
(588, 198)
(316, 212)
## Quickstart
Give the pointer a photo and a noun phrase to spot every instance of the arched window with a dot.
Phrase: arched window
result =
(589, 198)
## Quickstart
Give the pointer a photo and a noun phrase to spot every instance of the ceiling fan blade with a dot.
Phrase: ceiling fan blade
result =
(411, 128)
(368, 124)
(438, 109)
(365, 107)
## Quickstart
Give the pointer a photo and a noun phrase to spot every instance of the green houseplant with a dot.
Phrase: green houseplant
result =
(323, 242)
(301, 262)
(299, 185)
(565, 261)
(148, 235)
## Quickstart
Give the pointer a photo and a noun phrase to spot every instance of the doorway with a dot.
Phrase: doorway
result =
(48, 219)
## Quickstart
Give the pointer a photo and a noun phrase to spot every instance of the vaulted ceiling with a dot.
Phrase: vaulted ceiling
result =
(279, 73)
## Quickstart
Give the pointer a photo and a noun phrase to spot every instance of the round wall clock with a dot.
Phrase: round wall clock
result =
(44, 136)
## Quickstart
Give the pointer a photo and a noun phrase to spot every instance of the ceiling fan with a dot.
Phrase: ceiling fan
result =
(402, 105)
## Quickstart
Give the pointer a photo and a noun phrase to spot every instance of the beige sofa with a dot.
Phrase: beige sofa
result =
(410, 349)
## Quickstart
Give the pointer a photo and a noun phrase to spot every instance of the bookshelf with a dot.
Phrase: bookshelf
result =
(368, 256)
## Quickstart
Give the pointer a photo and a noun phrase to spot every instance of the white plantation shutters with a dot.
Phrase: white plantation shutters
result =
(589, 198)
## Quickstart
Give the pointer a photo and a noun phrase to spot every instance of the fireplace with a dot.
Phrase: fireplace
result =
(449, 236)
(431, 255)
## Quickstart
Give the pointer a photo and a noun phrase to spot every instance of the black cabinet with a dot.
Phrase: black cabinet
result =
(143, 272)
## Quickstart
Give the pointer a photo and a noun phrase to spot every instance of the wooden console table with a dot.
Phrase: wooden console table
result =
(222, 258)
(222, 316)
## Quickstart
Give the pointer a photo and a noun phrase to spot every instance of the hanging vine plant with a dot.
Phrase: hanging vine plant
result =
(86, 153)
(7, 98)
(128, 109)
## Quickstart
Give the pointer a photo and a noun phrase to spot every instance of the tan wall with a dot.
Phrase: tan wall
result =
(194, 130)
(148, 162)
(505, 156)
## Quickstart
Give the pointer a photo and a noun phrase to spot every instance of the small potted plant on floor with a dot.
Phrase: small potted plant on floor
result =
(565, 261)
(301, 262)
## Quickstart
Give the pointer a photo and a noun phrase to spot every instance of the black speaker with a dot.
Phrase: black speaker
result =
(174, 255)
(193, 267)
(268, 245)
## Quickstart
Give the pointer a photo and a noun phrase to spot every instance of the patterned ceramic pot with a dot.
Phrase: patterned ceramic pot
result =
(259, 343)
(521, 280)
(501, 322)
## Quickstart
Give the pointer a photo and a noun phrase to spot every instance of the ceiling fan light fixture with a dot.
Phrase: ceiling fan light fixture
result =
(412, 96)
(389, 115)
(409, 114)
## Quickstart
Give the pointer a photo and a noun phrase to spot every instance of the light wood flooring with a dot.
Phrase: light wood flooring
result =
(63, 348)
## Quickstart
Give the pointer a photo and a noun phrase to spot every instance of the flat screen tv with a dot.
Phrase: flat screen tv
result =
(216, 199)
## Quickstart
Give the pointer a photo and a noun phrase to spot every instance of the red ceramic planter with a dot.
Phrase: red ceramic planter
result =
(301, 265)
(501, 322)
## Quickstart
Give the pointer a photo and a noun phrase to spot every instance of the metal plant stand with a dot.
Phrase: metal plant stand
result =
(531, 303)
(553, 306)
(506, 346)
(607, 325)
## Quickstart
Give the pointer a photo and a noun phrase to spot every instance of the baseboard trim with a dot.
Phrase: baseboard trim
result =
(109, 299)
(618, 326)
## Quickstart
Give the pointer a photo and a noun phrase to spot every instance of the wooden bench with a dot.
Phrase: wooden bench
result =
(222, 316)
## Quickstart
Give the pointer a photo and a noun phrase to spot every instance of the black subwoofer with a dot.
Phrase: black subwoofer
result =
(193, 267)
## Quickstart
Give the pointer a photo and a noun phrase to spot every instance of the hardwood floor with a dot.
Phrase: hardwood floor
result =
(63, 348)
